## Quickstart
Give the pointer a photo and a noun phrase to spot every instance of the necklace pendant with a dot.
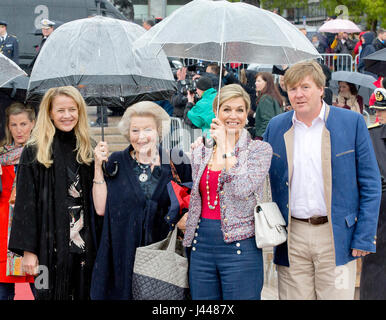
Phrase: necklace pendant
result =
(143, 177)
(211, 207)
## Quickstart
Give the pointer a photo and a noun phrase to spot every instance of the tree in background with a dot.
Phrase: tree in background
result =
(372, 12)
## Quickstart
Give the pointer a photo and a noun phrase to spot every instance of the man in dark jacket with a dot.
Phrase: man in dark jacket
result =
(373, 275)
(345, 46)
(380, 41)
(47, 29)
(367, 48)
(9, 45)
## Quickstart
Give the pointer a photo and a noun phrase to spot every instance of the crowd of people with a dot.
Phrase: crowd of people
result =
(69, 205)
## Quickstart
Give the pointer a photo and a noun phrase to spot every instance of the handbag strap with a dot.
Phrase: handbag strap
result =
(172, 240)
(267, 195)
(176, 177)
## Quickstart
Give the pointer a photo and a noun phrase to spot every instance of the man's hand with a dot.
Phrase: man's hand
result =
(190, 97)
(359, 253)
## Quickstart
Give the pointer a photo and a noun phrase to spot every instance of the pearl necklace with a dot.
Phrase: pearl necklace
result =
(215, 203)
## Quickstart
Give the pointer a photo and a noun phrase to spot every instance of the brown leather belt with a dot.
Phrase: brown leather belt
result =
(314, 220)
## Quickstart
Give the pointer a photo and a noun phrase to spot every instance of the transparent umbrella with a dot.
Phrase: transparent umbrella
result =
(363, 82)
(9, 70)
(95, 55)
(228, 32)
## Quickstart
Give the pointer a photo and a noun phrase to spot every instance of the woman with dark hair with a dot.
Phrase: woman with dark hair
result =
(348, 97)
(269, 102)
(20, 120)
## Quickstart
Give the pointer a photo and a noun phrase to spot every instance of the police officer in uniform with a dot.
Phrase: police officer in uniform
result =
(47, 29)
(373, 276)
(9, 45)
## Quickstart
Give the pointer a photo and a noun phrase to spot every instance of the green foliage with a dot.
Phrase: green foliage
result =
(372, 12)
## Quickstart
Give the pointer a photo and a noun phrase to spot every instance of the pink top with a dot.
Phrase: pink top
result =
(213, 182)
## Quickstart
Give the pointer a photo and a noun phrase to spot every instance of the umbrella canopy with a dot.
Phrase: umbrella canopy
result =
(229, 32)
(95, 55)
(357, 78)
(376, 62)
(364, 83)
(16, 88)
(339, 25)
(8, 70)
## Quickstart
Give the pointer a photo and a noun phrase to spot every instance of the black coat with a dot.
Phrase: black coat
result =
(41, 222)
(373, 276)
(130, 221)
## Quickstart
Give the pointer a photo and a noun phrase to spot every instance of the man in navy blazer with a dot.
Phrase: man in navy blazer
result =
(9, 45)
(326, 182)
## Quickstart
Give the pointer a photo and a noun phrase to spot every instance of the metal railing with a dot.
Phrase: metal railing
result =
(181, 135)
(356, 62)
(338, 61)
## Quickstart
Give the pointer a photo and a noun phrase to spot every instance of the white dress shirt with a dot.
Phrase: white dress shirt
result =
(2, 38)
(307, 190)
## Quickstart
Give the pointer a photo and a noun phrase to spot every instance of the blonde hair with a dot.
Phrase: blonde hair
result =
(43, 134)
(145, 109)
(299, 71)
(13, 110)
(232, 91)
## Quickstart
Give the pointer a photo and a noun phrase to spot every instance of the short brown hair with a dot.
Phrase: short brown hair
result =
(300, 70)
(13, 110)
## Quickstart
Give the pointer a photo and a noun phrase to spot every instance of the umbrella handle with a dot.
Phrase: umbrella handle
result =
(115, 171)
(208, 142)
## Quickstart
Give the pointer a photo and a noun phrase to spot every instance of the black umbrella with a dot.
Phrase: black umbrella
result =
(16, 89)
(376, 62)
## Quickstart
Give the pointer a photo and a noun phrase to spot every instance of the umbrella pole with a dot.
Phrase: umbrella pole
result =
(210, 143)
(103, 123)
(219, 82)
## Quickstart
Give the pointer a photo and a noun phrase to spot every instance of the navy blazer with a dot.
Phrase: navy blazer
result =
(10, 48)
(352, 182)
(131, 221)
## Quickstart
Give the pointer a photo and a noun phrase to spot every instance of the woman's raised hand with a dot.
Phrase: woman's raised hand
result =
(101, 153)
(218, 132)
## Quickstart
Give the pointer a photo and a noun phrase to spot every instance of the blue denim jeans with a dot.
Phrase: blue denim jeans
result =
(224, 271)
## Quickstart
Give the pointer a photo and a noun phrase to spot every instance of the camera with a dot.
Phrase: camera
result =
(196, 68)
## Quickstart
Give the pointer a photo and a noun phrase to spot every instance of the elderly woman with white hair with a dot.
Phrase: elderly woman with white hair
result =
(135, 201)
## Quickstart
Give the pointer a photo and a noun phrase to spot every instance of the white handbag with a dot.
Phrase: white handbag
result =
(270, 229)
